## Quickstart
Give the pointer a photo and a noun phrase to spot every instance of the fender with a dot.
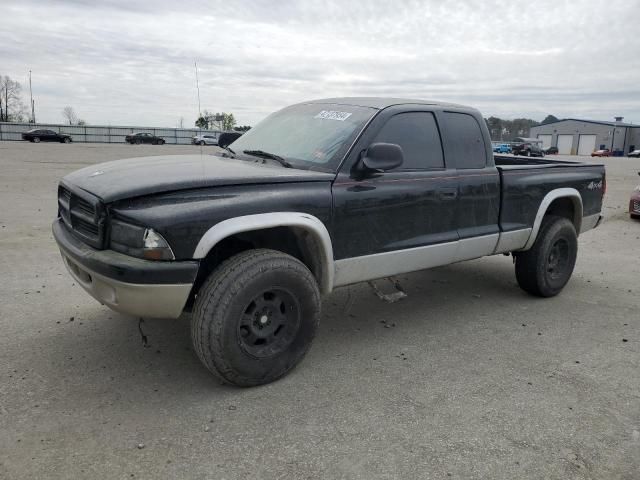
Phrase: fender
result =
(570, 193)
(247, 223)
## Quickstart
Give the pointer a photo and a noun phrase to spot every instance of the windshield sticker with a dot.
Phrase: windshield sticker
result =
(333, 115)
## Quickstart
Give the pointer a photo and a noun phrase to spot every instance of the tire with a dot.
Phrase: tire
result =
(252, 289)
(36, 139)
(202, 143)
(546, 268)
(137, 141)
(160, 142)
(66, 140)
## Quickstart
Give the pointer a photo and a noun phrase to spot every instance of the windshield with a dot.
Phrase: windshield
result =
(308, 136)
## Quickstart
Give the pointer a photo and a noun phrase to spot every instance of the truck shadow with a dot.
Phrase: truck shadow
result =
(111, 351)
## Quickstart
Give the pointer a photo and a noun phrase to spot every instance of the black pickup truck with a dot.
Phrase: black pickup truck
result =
(317, 196)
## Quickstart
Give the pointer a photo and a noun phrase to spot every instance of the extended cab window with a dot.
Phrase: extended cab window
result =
(465, 144)
(418, 136)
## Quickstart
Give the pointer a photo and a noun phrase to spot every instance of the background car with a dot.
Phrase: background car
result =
(41, 135)
(635, 153)
(138, 138)
(634, 203)
(528, 149)
(551, 151)
(601, 153)
(502, 148)
(205, 139)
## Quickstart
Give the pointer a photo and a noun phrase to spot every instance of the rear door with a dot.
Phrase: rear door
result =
(399, 220)
(478, 206)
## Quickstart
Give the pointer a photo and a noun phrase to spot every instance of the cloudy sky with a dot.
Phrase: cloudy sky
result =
(132, 62)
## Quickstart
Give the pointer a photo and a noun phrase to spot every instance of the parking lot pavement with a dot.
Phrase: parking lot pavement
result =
(468, 377)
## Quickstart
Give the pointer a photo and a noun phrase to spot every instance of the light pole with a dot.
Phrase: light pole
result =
(198, 88)
(33, 111)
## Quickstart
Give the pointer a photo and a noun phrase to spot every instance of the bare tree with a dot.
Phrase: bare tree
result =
(11, 106)
(70, 115)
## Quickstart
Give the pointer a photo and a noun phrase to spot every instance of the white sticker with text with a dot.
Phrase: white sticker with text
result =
(333, 115)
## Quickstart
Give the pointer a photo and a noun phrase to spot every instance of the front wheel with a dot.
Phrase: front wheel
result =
(546, 268)
(67, 140)
(255, 317)
(202, 143)
(138, 141)
(36, 139)
(160, 142)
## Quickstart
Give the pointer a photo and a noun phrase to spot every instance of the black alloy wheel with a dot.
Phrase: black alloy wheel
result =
(269, 323)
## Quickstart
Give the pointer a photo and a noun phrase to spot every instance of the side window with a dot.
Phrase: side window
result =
(465, 144)
(417, 134)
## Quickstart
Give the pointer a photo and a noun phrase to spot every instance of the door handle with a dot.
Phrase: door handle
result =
(448, 193)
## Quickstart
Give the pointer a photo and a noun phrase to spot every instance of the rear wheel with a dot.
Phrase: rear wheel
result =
(36, 139)
(138, 141)
(160, 142)
(255, 317)
(202, 143)
(546, 268)
(66, 140)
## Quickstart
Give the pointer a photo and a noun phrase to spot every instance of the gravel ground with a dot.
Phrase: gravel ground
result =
(468, 377)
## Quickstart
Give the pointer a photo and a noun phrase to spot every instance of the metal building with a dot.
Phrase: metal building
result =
(573, 136)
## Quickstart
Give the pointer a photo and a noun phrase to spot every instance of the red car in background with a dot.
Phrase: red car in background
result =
(634, 202)
(602, 153)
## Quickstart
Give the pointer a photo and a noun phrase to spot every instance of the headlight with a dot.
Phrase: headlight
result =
(139, 242)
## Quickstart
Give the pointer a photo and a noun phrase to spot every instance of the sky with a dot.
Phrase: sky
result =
(127, 62)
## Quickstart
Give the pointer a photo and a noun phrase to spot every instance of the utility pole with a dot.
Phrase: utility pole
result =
(198, 88)
(33, 110)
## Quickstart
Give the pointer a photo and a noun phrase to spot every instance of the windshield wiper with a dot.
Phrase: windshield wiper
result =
(270, 156)
(228, 149)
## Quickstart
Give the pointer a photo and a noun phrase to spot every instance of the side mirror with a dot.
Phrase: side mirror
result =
(380, 157)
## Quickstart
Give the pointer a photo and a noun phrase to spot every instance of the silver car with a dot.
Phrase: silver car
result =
(205, 139)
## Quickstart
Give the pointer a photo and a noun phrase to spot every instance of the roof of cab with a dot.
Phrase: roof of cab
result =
(381, 102)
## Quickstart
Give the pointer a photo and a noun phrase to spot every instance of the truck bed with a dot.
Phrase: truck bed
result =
(525, 182)
(511, 161)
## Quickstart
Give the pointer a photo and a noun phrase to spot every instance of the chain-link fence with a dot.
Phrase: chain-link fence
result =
(98, 134)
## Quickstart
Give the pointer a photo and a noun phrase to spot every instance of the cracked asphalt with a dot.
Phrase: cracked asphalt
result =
(466, 377)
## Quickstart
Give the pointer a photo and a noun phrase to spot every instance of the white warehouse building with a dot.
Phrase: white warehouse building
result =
(573, 136)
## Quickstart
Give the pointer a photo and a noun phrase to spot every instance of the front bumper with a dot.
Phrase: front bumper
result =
(142, 288)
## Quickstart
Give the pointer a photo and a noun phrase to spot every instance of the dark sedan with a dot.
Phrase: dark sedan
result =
(138, 138)
(551, 151)
(41, 135)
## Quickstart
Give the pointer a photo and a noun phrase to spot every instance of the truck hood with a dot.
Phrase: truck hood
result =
(135, 177)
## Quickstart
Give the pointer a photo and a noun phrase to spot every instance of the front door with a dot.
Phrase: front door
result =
(400, 220)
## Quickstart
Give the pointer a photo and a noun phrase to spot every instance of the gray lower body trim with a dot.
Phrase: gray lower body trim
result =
(590, 222)
(139, 300)
(380, 265)
(514, 240)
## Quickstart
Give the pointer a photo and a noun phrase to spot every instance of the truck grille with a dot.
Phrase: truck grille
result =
(83, 215)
